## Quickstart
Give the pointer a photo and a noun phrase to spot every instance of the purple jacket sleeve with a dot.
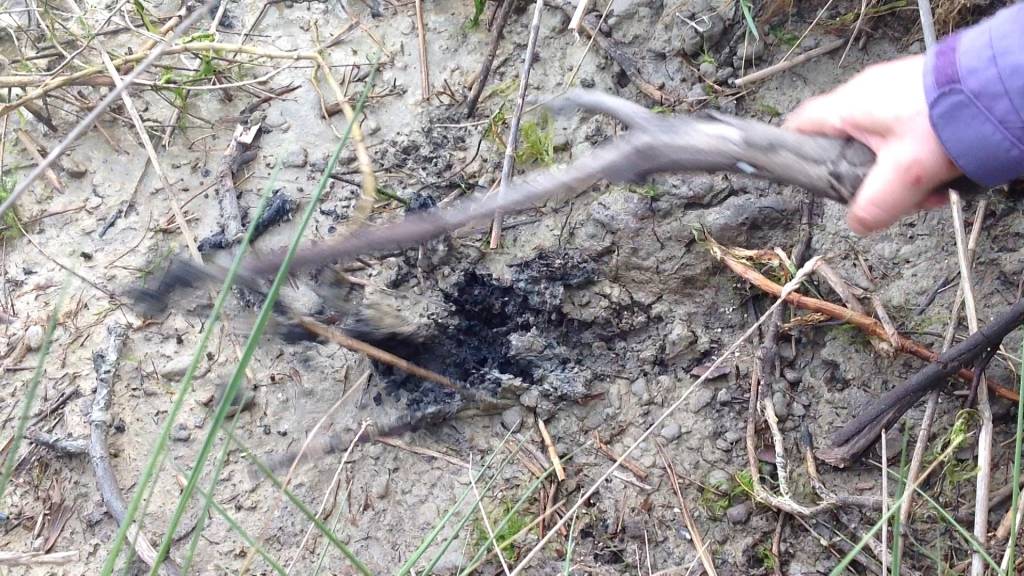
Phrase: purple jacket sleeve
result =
(974, 83)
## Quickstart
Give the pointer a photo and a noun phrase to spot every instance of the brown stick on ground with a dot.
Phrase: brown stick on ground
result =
(867, 324)
(485, 68)
(627, 463)
(861, 432)
(346, 341)
(236, 155)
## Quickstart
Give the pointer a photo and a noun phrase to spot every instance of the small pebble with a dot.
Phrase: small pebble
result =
(739, 514)
(530, 398)
(181, 432)
(797, 410)
(781, 404)
(75, 169)
(724, 396)
(720, 480)
(723, 445)
(295, 158)
(512, 418)
(670, 432)
(792, 375)
(708, 69)
(725, 74)
(175, 368)
(93, 203)
(406, 26)
(34, 337)
(639, 388)
(380, 487)
(370, 127)
(700, 398)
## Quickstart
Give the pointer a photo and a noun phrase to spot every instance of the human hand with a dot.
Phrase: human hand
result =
(884, 107)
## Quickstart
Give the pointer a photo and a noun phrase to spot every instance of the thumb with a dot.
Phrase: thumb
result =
(817, 115)
(896, 186)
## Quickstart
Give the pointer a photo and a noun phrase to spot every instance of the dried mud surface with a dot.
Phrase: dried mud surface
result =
(594, 315)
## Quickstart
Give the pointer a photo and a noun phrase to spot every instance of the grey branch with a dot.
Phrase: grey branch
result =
(655, 144)
(105, 361)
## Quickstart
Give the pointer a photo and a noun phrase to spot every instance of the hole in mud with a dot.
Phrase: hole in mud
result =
(498, 338)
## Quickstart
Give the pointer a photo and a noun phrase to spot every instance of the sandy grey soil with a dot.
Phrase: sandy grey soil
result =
(603, 309)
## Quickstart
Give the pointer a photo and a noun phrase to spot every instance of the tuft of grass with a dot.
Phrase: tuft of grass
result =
(956, 439)
(768, 110)
(10, 218)
(143, 14)
(745, 482)
(850, 18)
(647, 191)
(765, 557)
(478, 11)
(715, 500)
(956, 471)
(503, 533)
(785, 37)
(537, 143)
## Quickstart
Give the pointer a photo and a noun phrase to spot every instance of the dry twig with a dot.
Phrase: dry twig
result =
(921, 445)
(556, 462)
(485, 68)
(698, 540)
(512, 142)
(787, 64)
(421, 34)
(865, 323)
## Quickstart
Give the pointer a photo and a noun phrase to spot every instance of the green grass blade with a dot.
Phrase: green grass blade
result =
(252, 343)
(222, 457)
(963, 532)
(160, 448)
(1015, 498)
(30, 393)
(472, 512)
(748, 15)
(571, 544)
(234, 525)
